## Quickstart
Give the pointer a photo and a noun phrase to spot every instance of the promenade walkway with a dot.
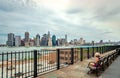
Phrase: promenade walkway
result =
(113, 70)
(77, 70)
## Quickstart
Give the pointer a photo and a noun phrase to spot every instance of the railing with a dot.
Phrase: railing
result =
(33, 63)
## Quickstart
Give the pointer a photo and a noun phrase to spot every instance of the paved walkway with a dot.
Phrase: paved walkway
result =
(78, 70)
(113, 70)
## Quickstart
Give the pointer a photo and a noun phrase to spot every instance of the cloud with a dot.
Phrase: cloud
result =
(109, 15)
(77, 18)
(107, 32)
(74, 11)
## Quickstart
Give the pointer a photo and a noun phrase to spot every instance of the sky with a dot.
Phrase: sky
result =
(91, 19)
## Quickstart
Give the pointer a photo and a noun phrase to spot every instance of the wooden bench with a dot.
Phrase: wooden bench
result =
(97, 68)
(103, 63)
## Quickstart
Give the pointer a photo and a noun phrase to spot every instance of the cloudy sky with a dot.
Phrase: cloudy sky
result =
(90, 19)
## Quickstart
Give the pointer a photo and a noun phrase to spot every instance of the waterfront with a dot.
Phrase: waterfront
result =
(16, 49)
(27, 50)
(27, 61)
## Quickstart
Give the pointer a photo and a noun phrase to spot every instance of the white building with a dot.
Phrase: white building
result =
(49, 42)
(17, 41)
(37, 40)
(81, 41)
(49, 39)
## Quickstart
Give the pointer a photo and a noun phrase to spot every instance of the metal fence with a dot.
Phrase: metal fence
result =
(37, 62)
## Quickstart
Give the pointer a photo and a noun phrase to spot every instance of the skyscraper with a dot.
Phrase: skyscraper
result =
(49, 42)
(66, 38)
(17, 41)
(49, 39)
(26, 36)
(101, 42)
(48, 34)
(44, 40)
(37, 40)
(92, 43)
(54, 40)
(11, 40)
(81, 41)
(26, 40)
(61, 42)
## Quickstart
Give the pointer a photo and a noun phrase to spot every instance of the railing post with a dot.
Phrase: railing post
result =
(58, 59)
(93, 51)
(100, 50)
(105, 49)
(2, 65)
(72, 55)
(97, 49)
(81, 54)
(88, 54)
(35, 63)
(109, 48)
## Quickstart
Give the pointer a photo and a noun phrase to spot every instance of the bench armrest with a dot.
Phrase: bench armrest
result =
(90, 63)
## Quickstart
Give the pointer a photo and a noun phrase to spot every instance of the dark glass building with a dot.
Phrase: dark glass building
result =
(54, 40)
(44, 40)
(11, 40)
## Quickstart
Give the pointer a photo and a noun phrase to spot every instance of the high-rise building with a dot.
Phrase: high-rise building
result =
(44, 40)
(93, 43)
(66, 38)
(37, 40)
(11, 40)
(17, 41)
(26, 40)
(49, 39)
(26, 36)
(84, 41)
(75, 41)
(22, 43)
(71, 42)
(61, 42)
(31, 42)
(49, 42)
(48, 34)
(101, 42)
(54, 40)
(81, 41)
(58, 42)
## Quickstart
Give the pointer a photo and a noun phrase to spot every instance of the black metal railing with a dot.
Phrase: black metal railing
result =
(46, 61)
(33, 63)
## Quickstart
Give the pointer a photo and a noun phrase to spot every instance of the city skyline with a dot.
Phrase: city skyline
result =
(50, 40)
(92, 20)
(43, 40)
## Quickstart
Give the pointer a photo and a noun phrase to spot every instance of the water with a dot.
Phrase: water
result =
(26, 49)
(17, 49)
